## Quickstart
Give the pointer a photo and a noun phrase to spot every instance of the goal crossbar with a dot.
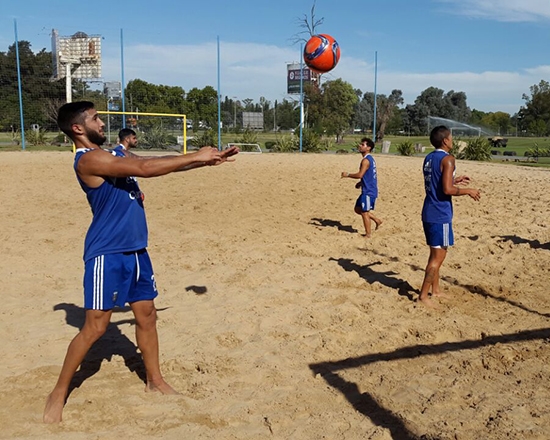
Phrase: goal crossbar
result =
(183, 117)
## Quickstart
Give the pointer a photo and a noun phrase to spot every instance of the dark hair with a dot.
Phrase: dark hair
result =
(124, 133)
(369, 142)
(438, 135)
(72, 113)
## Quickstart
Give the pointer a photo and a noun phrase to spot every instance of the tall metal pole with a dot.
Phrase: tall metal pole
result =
(19, 86)
(234, 113)
(68, 82)
(375, 81)
(123, 85)
(219, 101)
(301, 94)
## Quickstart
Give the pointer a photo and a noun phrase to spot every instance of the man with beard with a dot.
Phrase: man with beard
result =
(127, 139)
(117, 268)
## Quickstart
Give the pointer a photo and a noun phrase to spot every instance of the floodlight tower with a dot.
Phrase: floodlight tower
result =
(77, 56)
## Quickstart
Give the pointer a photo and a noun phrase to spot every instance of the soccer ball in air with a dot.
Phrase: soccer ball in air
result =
(321, 53)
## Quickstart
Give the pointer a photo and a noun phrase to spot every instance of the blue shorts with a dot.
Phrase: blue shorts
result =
(116, 279)
(365, 202)
(439, 234)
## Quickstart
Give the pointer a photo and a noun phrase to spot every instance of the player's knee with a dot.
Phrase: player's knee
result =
(94, 331)
(147, 318)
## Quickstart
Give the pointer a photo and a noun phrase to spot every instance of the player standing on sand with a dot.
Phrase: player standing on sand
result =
(117, 268)
(437, 212)
(368, 184)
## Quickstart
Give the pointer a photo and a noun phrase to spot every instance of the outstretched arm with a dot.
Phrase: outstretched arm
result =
(225, 156)
(95, 165)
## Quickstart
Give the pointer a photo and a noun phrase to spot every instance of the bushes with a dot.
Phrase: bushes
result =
(477, 149)
(247, 137)
(287, 144)
(537, 152)
(405, 148)
(311, 143)
(205, 139)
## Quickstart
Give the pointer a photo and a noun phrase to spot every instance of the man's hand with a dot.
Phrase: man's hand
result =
(212, 156)
(474, 194)
(462, 180)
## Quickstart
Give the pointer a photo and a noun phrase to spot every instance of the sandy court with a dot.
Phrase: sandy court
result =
(277, 319)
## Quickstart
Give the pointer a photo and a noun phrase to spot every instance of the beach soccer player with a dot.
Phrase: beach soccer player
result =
(127, 139)
(440, 186)
(117, 267)
(368, 183)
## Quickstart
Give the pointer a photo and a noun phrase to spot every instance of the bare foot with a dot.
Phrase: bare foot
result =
(161, 387)
(54, 409)
(428, 303)
(440, 295)
(378, 224)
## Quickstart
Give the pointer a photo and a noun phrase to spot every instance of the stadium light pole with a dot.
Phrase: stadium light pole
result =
(19, 86)
(301, 94)
(234, 113)
(122, 77)
(219, 100)
(375, 81)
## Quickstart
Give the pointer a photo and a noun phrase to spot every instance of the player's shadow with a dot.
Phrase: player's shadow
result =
(479, 290)
(534, 244)
(113, 342)
(326, 223)
(371, 276)
(369, 406)
(476, 290)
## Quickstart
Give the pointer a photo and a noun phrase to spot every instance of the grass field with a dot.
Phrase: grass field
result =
(517, 144)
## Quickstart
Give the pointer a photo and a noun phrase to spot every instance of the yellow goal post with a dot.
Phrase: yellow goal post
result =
(133, 122)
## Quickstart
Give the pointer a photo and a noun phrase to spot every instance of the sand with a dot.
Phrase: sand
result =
(277, 319)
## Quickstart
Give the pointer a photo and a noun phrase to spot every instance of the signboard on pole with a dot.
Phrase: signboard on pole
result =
(294, 75)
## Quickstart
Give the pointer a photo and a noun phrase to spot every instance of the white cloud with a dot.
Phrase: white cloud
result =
(254, 70)
(247, 70)
(503, 10)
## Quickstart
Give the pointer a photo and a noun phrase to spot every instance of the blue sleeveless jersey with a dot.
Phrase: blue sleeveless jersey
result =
(118, 223)
(438, 206)
(369, 181)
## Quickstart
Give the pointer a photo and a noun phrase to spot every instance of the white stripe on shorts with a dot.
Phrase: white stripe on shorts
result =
(97, 303)
(445, 234)
(137, 265)
(368, 203)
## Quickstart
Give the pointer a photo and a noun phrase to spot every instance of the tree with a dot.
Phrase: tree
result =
(288, 115)
(364, 112)
(434, 102)
(339, 101)
(499, 122)
(154, 98)
(537, 108)
(36, 87)
(387, 107)
(309, 25)
(202, 105)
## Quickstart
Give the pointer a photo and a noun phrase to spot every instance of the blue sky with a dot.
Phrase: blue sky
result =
(493, 50)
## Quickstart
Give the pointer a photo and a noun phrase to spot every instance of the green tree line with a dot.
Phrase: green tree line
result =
(333, 107)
